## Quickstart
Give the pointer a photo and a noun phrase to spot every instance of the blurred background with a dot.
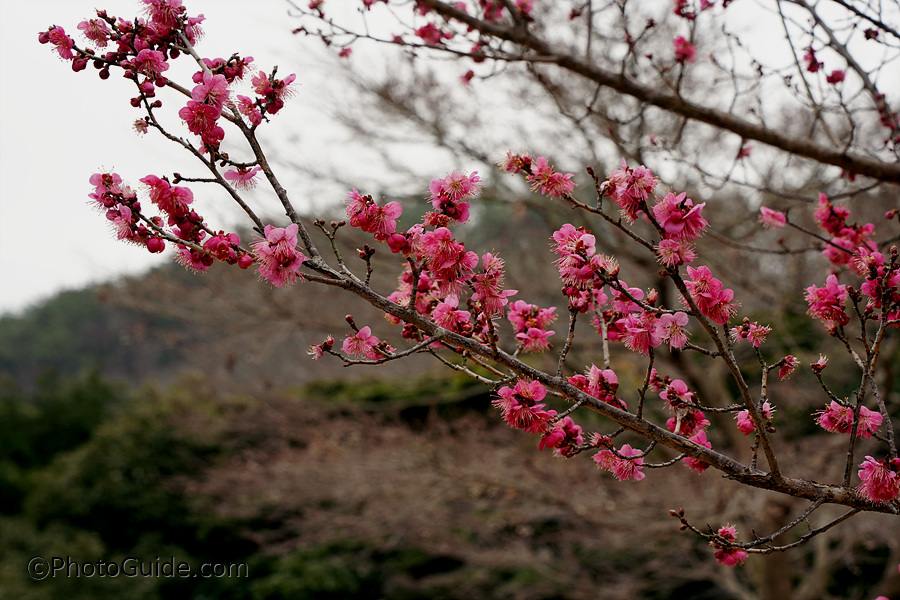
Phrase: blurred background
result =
(147, 412)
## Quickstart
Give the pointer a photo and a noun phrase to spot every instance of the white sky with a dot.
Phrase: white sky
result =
(58, 127)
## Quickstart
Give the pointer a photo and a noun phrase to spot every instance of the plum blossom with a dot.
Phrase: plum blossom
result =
(620, 464)
(278, 259)
(726, 554)
(534, 340)
(684, 50)
(564, 438)
(695, 463)
(362, 344)
(522, 408)
(745, 423)
(679, 218)
(670, 328)
(880, 479)
(838, 418)
(827, 303)
(242, 177)
(771, 219)
(711, 297)
(672, 253)
(549, 182)
(752, 332)
(629, 189)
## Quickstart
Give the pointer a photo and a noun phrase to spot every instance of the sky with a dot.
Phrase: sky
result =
(58, 127)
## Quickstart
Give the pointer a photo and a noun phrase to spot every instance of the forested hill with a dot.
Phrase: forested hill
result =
(227, 324)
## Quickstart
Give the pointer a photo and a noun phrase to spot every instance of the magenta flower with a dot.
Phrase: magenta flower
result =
(827, 303)
(684, 50)
(447, 316)
(835, 77)
(278, 260)
(880, 479)
(564, 438)
(200, 118)
(670, 328)
(838, 418)
(711, 297)
(771, 218)
(95, 30)
(212, 89)
(242, 178)
(522, 408)
(150, 63)
(695, 463)
(620, 465)
(726, 554)
(63, 43)
(674, 252)
(745, 423)
(362, 344)
(534, 341)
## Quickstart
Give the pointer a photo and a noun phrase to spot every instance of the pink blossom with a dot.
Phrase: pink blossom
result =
(278, 260)
(835, 77)
(677, 394)
(95, 30)
(670, 328)
(446, 315)
(362, 344)
(695, 463)
(488, 286)
(150, 63)
(752, 332)
(524, 315)
(345, 52)
(534, 340)
(192, 259)
(223, 246)
(675, 252)
(838, 418)
(679, 218)
(431, 35)
(745, 423)
(620, 465)
(447, 260)
(549, 182)
(629, 188)
(827, 303)
(687, 422)
(164, 13)
(880, 479)
(63, 43)
(456, 186)
(212, 89)
(242, 177)
(771, 218)
(200, 118)
(564, 438)
(247, 107)
(684, 50)
(641, 332)
(522, 408)
(711, 297)
(726, 554)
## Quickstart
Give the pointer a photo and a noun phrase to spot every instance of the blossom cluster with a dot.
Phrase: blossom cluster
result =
(144, 48)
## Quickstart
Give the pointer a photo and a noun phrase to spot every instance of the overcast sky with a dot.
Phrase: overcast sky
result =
(59, 127)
